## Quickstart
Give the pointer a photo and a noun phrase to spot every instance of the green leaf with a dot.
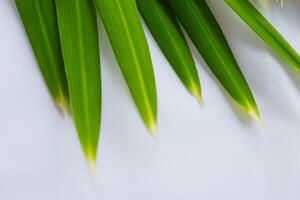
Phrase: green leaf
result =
(80, 46)
(127, 37)
(164, 27)
(40, 22)
(260, 25)
(205, 32)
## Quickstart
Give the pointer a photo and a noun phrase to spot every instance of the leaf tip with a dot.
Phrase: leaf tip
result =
(63, 104)
(254, 113)
(92, 164)
(199, 98)
(152, 126)
(195, 91)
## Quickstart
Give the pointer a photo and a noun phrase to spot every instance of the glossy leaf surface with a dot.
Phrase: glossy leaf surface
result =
(205, 32)
(40, 22)
(165, 29)
(123, 26)
(266, 31)
(80, 46)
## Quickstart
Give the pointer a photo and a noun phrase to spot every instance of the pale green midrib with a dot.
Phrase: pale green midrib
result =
(49, 50)
(219, 56)
(83, 81)
(281, 42)
(136, 60)
(194, 84)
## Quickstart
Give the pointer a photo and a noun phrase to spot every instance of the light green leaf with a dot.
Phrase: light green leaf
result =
(80, 46)
(164, 27)
(40, 22)
(124, 29)
(205, 32)
(260, 25)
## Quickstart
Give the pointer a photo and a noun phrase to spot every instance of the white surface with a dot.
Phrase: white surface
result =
(209, 153)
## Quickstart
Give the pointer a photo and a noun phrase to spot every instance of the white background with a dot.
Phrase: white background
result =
(206, 153)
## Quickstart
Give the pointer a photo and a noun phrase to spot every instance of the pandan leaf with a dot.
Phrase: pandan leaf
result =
(260, 25)
(40, 22)
(205, 32)
(127, 37)
(80, 46)
(164, 27)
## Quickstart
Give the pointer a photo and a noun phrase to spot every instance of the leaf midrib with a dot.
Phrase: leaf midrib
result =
(177, 50)
(135, 58)
(210, 40)
(83, 75)
(280, 41)
(48, 46)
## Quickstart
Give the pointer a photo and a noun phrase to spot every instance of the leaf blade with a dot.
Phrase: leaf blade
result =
(205, 32)
(40, 23)
(127, 38)
(80, 45)
(266, 31)
(164, 27)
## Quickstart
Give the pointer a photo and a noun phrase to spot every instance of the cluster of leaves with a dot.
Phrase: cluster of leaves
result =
(64, 38)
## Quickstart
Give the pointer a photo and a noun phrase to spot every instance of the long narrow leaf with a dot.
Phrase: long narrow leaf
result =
(205, 32)
(40, 22)
(124, 29)
(79, 37)
(260, 25)
(164, 27)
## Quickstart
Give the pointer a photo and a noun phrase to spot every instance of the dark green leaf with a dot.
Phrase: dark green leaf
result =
(165, 29)
(205, 32)
(40, 22)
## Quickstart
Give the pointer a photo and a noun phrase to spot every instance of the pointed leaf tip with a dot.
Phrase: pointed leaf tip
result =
(196, 92)
(254, 113)
(63, 104)
(152, 127)
(155, 136)
(92, 164)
